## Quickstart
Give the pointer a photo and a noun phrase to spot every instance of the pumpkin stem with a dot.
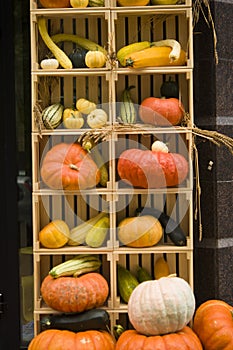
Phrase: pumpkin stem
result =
(72, 166)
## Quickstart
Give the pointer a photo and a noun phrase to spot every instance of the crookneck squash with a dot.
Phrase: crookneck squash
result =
(70, 167)
(148, 169)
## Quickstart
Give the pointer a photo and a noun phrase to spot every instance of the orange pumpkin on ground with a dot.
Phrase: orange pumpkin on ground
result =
(75, 294)
(161, 111)
(185, 339)
(55, 339)
(69, 167)
(213, 323)
(148, 169)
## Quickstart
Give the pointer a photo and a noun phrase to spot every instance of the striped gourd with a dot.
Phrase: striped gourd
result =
(52, 116)
(127, 108)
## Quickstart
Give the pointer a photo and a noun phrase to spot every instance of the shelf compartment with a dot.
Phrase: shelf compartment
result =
(41, 145)
(180, 264)
(177, 143)
(74, 210)
(148, 84)
(42, 266)
(66, 90)
(176, 206)
(131, 26)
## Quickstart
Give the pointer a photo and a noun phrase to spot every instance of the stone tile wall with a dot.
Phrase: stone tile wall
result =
(213, 107)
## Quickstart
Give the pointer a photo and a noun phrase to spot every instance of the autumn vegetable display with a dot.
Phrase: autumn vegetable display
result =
(152, 169)
(213, 325)
(75, 294)
(140, 231)
(62, 339)
(55, 234)
(161, 306)
(161, 111)
(70, 167)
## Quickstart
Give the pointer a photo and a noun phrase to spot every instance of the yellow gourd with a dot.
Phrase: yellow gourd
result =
(54, 235)
(95, 59)
(85, 106)
(161, 268)
(72, 119)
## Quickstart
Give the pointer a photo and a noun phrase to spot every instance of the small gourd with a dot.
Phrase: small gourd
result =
(54, 235)
(52, 116)
(169, 88)
(72, 119)
(97, 118)
(159, 146)
(77, 57)
(85, 106)
(79, 3)
(95, 59)
(49, 63)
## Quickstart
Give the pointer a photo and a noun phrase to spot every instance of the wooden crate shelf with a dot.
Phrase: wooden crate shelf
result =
(112, 27)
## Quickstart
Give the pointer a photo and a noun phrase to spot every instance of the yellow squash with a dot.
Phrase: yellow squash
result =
(154, 57)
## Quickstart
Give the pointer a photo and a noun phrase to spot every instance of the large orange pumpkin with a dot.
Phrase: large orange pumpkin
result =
(148, 169)
(70, 167)
(161, 111)
(213, 323)
(55, 3)
(185, 339)
(75, 294)
(61, 339)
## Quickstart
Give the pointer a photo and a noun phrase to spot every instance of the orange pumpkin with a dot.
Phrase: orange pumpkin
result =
(62, 339)
(55, 3)
(161, 111)
(75, 294)
(213, 324)
(148, 169)
(70, 167)
(185, 339)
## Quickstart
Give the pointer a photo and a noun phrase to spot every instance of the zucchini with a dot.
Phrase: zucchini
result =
(126, 50)
(170, 226)
(143, 274)
(97, 319)
(126, 282)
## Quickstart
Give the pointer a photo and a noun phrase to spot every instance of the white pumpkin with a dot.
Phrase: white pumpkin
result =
(49, 63)
(159, 146)
(161, 306)
(97, 118)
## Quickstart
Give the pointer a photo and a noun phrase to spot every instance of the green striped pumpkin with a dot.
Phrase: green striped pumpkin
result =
(52, 116)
